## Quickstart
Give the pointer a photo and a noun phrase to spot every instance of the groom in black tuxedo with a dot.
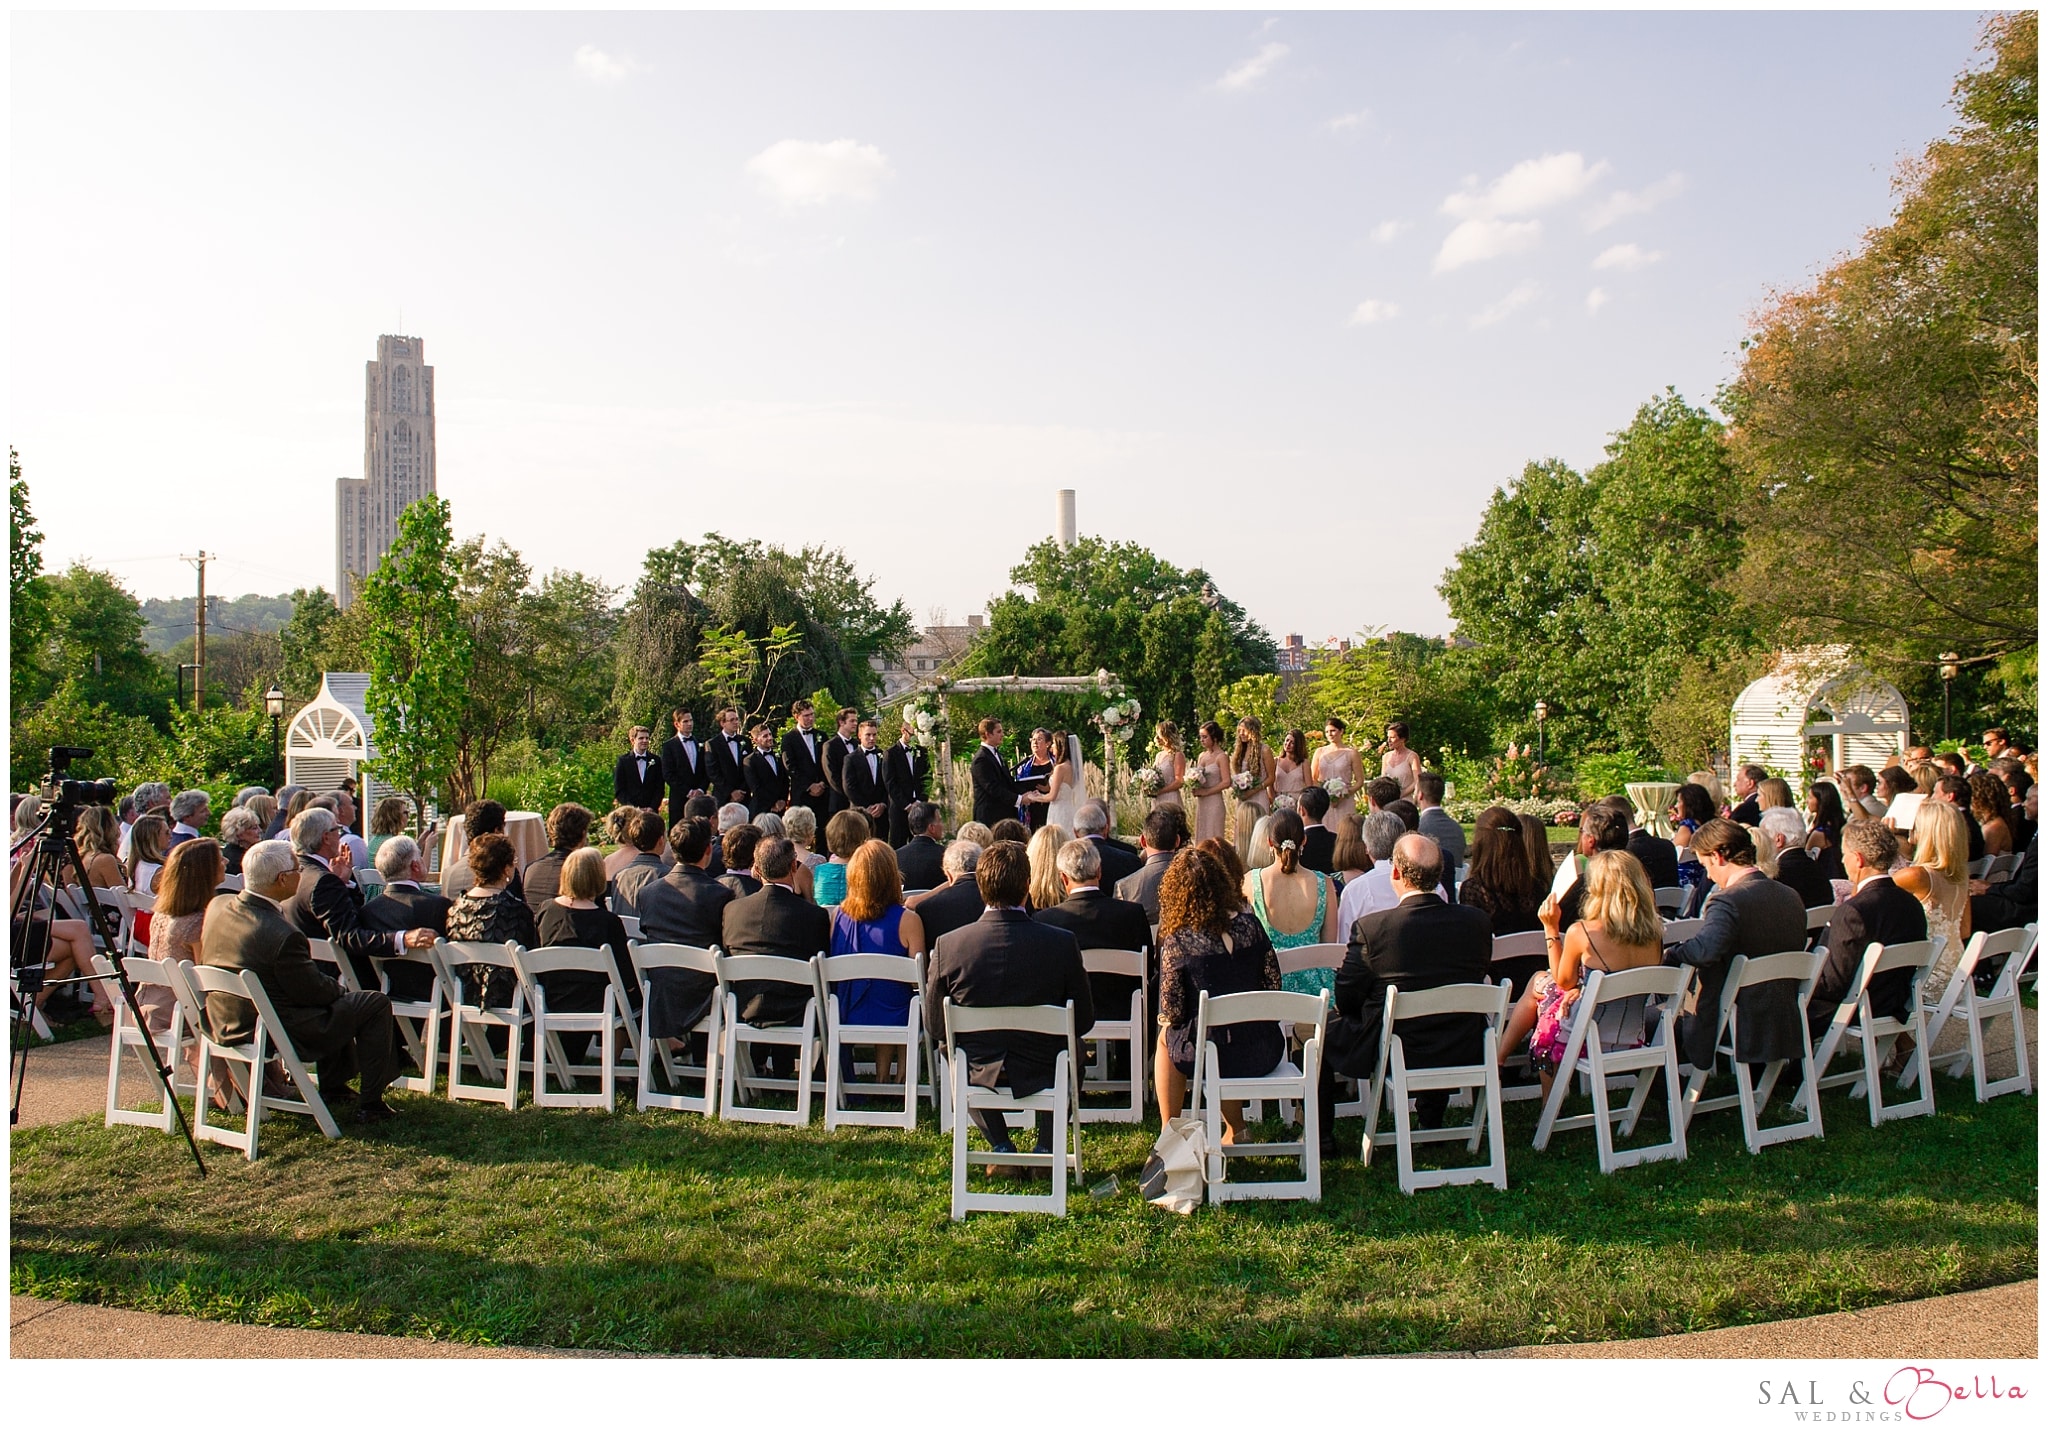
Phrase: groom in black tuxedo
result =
(908, 769)
(996, 790)
(685, 764)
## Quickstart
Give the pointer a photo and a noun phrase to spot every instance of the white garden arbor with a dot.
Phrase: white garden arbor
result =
(330, 740)
(1100, 682)
(1813, 694)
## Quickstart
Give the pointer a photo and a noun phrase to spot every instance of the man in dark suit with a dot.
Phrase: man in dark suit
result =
(1099, 921)
(636, 778)
(1878, 912)
(1433, 823)
(1166, 829)
(729, 760)
(922, 861)
(684, 906)
(1747, 810)
(568, 827)
(996, 790)
(803, 757)
(837, 748)
(1318, 840)
(1748, 913)
(1119, 860)
(1601, 828)
(1954, 789)
(957, 902)
(775, 920)
(685, 764)
(907, 770)
(864, 779)
(767, 777)
(1001, 960)
(405, 905)
(328, 905)
(344, 1033)
(1659, 857)
(1420, 943)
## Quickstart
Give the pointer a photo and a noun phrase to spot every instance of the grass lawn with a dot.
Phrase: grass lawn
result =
(670, 1233)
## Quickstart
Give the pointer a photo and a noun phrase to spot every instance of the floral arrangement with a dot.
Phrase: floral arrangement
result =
(926, 729)
(1243, 782)
(1118, 719)
(1146, 781)
(1337, 787)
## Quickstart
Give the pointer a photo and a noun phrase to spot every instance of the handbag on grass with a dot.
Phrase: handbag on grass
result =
(1172, 1176)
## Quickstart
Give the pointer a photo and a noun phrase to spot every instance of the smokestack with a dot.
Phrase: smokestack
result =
(1063, 519)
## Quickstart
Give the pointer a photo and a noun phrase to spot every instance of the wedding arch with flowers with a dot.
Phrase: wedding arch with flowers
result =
(925, 710)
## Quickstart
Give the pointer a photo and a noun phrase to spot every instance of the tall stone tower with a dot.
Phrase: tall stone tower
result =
(398, 460)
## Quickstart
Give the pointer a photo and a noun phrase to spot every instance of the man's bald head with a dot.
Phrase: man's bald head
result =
(1418, 864)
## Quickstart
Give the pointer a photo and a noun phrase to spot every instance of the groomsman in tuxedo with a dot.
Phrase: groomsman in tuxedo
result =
(866, 780)
(729, 760)
(636, 778)
(767, 776)
(996, 790)
(908, 769)
(685, 764)
(837, 748)
(1037, 770)
(803, 755)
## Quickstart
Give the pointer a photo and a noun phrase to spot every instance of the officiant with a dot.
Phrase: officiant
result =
(1033, 774)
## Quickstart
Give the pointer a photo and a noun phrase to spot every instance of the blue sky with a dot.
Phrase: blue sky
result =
(1283, 295)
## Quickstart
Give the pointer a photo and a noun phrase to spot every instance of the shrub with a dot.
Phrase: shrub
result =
(1599, 775)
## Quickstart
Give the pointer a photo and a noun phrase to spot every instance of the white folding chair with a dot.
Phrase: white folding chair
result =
(127, 1034)
(1059, 1101)
(734, 1077)
(1803, 967)
(268, 1040)
(1531, 943)
(1288, 1083)
(649, 959)
(1490, 1004)
(1817, 920)
(1981, 868)
(615, 1014)
(134, 902)
(1876, 1034)
(122, 902)
(2016, 948)
(469, 1024)
(840, 1038)
(325, 954)
(1678, 931)
(2003, 866)
(631, 924)
(1671, 897)
(1127, 1029)
(1599, 1068)
(419, 1020)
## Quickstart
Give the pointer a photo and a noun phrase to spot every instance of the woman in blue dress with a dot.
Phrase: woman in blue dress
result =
(872, 920)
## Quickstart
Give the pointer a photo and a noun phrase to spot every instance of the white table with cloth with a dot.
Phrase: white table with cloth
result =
(526, 829)
(1653, 805)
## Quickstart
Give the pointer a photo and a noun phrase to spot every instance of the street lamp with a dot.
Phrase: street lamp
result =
(1542, 713)
(273, 705)
(1951, 666)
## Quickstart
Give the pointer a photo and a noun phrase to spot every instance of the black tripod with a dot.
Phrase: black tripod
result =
(54, 855)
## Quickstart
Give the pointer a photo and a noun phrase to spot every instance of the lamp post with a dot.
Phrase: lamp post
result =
(273, 705)
(1951, 666)
(1542, 713)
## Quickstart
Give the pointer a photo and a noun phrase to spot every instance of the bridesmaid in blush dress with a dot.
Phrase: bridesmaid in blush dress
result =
(1170, 764)
(1337, 760)
(1212, 770)
(1290, 770)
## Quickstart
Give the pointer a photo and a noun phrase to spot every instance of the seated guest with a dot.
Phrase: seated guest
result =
(149, 841)
(1691, 807)
(772, 919)
(190, 812)
(239, 829)
(1166, 829)
(98, 837)
(1952, 763)
(485, 816)
(845, 832)
(1410, 816)
(684, 906)
(1318, 840)
(1747, 913)
(1294, 904)
(344, 1033)
(264, 807)
(1375, 891)
(391, 816)
(1119, 860)
(1991, 805)
(1939, 877)
(1004, 960)
(1791, 864)
(487, 913)
(800, 827)
(957, 902)
(1499, 883)
(1349, 858)
(1893, 781)
(976, 833)
(1435, 823)
(1748, 806)
(871, 919)
(405, 905)
(341, 803)
(1420, 943)
(1381, 792)
(1097, 921)
(615, 827)
(1708, 780)
(1225, 853)
(1861, 790)
(637, 781)
(742, 842)
(568, 828)
(771, 827)
(728, 818)
(2013, 902)
(1658, 856)
(576, 917)
(1043, 852)
(1009, 831)
(1825, 818)
(281, 811)
(922, 861)
(643, 842)
(1210, 943)
(1877, 912)
(1618, 929)
(329, 905)
(1954, 790)
(191, 874)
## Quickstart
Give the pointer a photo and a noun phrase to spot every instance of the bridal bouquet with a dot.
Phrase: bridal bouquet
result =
(924, 727)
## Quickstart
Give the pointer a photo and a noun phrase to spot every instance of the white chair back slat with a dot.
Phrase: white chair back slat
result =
(1679, 931)
(1292, 1084)
(1060, 1101)
(649, 959)
(737, 1080)
(1527, 945)
(1745, 972)
(269, 1039)
(1587, 1057)
(1671, 897)
(1310, 956)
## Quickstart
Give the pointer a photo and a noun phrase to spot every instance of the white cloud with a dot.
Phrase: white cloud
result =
(1626, 257)
(1506, 305)
(1595, 298)
(594, 64)
(1249, 73)
(1355, 120)
(1373, 312)
(811, 172)
(1623, 203)
(1387, 231)
(1485, 240)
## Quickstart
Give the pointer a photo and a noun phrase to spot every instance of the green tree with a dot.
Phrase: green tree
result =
(28, 595)
(305, 644)
(418, 650)
(95, 641)
(126, 747)
(1885, 418)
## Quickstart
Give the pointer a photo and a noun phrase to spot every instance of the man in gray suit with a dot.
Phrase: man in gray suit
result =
(1166, 829)
(1434, 823)
(1751, 914)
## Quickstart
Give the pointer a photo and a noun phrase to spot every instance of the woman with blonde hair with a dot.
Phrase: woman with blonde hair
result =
(99, 844)
(1252, 758)
(1708, 780)
(1939, 877)
(1618, 929)
(1170, 764)
(576, 917)
(1926, 773)
(1044, 852)
(1773, 793)
(872, 920)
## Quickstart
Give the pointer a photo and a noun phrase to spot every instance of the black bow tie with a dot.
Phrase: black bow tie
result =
(870, 752)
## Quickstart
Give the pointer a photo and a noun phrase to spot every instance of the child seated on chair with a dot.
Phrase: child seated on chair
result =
(1618, 929)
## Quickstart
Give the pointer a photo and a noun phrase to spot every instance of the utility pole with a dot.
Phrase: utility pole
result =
(199, 633)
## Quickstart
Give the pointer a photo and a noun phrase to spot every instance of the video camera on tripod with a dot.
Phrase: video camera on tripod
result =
(61, 791)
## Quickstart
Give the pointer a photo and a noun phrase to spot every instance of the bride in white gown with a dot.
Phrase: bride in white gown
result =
(1065, 784)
